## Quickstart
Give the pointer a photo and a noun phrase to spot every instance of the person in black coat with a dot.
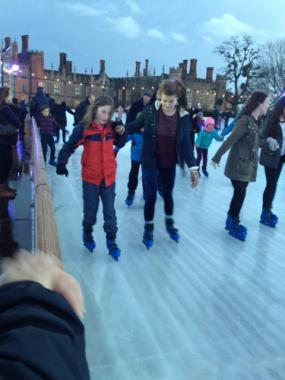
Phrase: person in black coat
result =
(166, 127)
(39, 100)
(59, 114)
(8, 119)
(41, 334)
(80, 111)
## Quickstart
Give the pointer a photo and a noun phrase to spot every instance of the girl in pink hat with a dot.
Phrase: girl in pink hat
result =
(203, 142)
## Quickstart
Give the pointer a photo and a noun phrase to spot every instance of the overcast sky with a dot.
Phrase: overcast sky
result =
(124, 31)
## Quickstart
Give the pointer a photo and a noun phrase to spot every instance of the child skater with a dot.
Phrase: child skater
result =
(166, 130)
(97, 136)
(203, 142)
(272, 157)
(242, 162)
(47, 125)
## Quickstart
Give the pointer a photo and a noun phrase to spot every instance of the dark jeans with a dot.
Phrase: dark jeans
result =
(6, 161)
(63, 134)
(238, 197)
(91, 195)
(133, 176)
(151, 178)
(201, 152)
(47, 140)
(272, 176)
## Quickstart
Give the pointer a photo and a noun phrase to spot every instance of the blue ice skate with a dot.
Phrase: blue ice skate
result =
(172, 230)
(237, 231)
(229, 222)
(148, 235)
(114, 250)
(268, 218)
(130, 198)
(89, 242)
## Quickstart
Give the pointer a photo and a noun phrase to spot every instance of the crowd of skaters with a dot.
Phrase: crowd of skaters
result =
(46, 303)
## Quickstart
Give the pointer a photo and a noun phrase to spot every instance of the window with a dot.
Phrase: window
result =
(77, 91)
(56, 89)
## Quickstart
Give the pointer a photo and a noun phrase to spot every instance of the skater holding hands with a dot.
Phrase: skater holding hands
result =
(272, 157)
(242, 162)
(166, 127)
(97, 135)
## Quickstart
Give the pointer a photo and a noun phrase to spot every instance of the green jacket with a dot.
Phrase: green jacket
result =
(243, 143)
(205, 138)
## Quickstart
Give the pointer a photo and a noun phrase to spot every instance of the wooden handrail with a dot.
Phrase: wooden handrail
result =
(46, 237)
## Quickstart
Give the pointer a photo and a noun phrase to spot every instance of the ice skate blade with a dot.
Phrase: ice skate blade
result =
(148, 243)
(90, 246)
(268, 224)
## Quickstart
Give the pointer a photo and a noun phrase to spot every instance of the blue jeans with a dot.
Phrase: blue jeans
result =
(165, 177)
(91, 195)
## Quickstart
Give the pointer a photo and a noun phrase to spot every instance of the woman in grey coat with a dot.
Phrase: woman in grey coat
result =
(272, 157)
(242, 162)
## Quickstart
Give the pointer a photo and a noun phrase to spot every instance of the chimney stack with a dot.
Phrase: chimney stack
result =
(209, 76)
(102, 66)
(68, 67)
(7, 42)
(138, 69)
(184, 68)
(25, 44)
(145, 72)
(14, 50)
(193, 68)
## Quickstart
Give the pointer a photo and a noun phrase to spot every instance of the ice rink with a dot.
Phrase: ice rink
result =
(210, 307)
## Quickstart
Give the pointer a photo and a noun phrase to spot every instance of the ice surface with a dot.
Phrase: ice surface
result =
(210, 307)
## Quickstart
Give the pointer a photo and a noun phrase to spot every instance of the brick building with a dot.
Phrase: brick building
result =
(65, 84)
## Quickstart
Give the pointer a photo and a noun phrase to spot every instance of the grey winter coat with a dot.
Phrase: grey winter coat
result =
(243, 143)
(268, 157)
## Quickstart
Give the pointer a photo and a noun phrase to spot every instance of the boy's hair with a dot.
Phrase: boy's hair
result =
(174, 87)
(101, 101)
(44, 107)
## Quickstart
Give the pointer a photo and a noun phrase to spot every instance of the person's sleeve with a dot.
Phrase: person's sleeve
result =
(198, 140)
(136, 125)
(11, 117)
(75, 139)
(217, 137)
(132, 114)
(69, 110)
(229, 128)
(263, 133)
(41, 336)
(239, 130)
(187, 147)
(119, 140)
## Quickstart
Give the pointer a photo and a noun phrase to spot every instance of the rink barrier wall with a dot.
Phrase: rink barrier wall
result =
(46, 237)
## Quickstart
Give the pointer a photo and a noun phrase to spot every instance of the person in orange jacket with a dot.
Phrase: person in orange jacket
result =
(97, 135)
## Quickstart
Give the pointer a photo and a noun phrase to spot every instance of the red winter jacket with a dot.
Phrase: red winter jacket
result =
(98, 159)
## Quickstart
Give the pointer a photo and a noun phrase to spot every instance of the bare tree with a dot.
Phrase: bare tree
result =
(240, 55)
(271, 74)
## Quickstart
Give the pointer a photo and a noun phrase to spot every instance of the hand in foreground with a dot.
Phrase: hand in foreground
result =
(194, 176)
(61, 170)
(214, 164)
(45, 270)
(120, 129)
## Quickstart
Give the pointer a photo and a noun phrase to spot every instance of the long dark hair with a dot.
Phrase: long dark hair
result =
(255, 99)
(101, 101)
(274, 117)
(175, 87)
(4, 93)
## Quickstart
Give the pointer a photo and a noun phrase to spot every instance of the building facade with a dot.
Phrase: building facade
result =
(64, 84)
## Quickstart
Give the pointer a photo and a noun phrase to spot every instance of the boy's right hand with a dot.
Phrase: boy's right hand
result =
(61, 170)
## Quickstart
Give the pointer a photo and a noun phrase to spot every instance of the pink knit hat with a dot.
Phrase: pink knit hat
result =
(209, 124)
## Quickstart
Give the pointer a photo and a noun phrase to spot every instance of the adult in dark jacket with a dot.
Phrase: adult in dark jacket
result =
(80, 111)
(242, 162)
(39, 100)
(59, 114)
(23, 114)
(41, 334)
(272, 157)
(7, 140)
(166, 142)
